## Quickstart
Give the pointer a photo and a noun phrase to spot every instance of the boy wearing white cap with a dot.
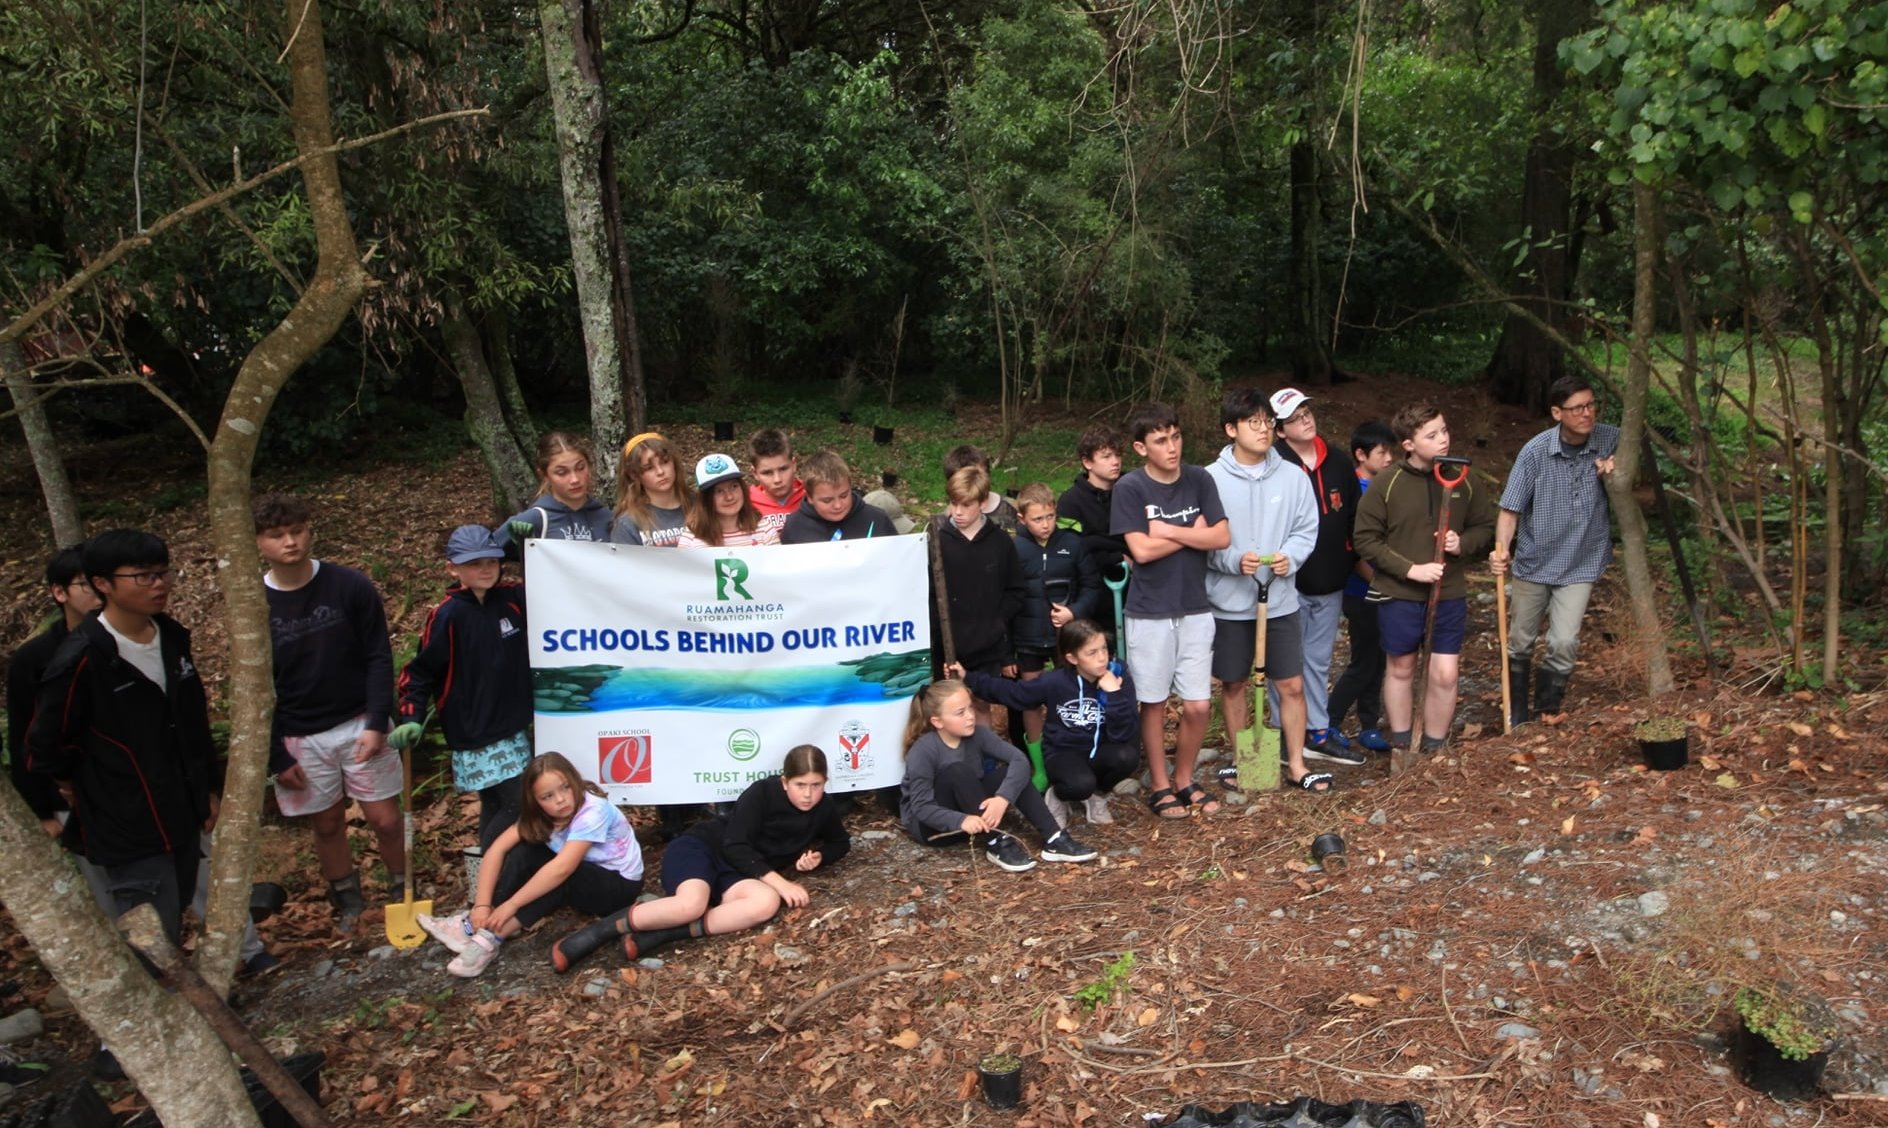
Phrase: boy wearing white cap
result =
(1322, 577)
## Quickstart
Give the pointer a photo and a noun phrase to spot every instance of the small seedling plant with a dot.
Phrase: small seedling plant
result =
(1784, 1022)
(1113, 982)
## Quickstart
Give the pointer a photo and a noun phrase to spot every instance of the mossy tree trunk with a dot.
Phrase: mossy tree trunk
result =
(330, 297)
(1640, 590)
(593, 212)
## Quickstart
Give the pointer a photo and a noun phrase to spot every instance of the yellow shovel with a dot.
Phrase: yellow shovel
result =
(403, 926)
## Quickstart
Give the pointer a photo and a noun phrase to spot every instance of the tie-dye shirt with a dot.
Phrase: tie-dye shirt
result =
(612, 842)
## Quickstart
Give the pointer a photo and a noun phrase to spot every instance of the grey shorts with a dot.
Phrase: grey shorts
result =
(1233, 643)
(1171, 656)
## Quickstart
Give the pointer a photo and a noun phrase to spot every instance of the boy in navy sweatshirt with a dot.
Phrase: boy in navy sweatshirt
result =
(333, 701)
(474, 668)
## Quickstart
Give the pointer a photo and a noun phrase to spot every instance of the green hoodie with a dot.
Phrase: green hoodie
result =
(1396, 529)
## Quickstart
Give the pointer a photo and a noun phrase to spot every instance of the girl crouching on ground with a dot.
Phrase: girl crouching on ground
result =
(1091, 740)
(724, 875)
(948, 792)
(570, 846)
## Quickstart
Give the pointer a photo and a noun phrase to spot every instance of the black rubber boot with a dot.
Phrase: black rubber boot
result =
(568, 952)
(1518, 671)
(345, 896)
(1553, 690)
(642, 941)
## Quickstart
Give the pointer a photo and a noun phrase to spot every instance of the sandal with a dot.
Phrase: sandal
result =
(1310, 781)
(1166, 804)
(1194, 796)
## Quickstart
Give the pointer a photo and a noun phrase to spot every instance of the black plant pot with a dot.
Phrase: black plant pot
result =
(1002, 1076)
(1665, 755)
(845, 416)
(1764, 1068)
(1327, 850)
(882, 435)
(888, 479)
(724, 430)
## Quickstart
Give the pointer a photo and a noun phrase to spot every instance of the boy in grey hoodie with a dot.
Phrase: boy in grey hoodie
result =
(1273, 518)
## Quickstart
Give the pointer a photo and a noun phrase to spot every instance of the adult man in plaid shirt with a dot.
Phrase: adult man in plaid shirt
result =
(1554, 538)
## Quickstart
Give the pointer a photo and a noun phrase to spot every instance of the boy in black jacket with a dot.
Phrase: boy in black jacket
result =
(122, 728)
(983, 580)
(1087, 508)
(474, 668)
(1322, 577)
(1059, 586)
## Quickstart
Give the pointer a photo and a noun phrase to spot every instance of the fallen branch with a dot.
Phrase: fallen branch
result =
(794, 1014)
(1392, 1076)
(1130, 1051)
(145, 932)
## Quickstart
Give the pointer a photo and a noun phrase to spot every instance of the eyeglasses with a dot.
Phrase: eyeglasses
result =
(1259, 423)
(1302, 415)
(1587, 408)
(143, 579)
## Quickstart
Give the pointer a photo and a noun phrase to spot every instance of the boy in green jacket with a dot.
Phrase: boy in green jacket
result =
(1396, 533)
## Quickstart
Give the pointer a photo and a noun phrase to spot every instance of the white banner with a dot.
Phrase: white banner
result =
(680, 675)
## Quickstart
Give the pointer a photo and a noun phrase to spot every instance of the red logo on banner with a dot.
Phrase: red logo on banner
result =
(853, 739)
(624, 758)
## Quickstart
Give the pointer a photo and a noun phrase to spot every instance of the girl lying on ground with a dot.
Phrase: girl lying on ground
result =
(724, 875)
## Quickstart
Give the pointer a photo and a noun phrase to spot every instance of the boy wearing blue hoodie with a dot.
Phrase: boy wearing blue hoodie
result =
(1273, 519)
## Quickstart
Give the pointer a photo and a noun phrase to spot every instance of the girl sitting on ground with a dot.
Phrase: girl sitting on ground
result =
(570, 846)
(652, 498)
(948, 794)
(1091, 740)
(725, 875)
(723, 515)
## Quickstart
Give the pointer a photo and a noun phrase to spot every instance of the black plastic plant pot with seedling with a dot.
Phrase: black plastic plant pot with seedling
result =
(883, 435)
(1782, 1041)
(1002, 1076)
(1664, 742)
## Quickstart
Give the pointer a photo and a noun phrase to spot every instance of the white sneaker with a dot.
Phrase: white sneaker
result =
(1058, 806)
(1096, 808)
(453, 931)
(475, 958)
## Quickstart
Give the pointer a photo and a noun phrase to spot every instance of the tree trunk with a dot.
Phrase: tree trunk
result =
(1310, 359)
(178, 1062)
(53, 483)
(593, 212)
(1526, 361)
(484, 418)
(524, 430)
(332, 293)
(1632, 531)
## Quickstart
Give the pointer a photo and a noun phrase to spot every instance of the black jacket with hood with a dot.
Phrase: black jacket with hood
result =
(138, 756)
(1335, 483)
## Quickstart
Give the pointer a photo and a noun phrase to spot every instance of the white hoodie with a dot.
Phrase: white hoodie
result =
(1267, 510)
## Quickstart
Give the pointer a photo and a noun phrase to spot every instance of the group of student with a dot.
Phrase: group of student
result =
(110, 738)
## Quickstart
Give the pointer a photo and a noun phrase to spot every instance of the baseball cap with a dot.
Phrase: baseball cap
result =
(473, 542)
(1287, 401)
(714, 469)
(892, 507)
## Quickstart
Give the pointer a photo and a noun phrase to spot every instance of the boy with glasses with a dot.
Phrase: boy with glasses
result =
(1554, 537)
(122, 728)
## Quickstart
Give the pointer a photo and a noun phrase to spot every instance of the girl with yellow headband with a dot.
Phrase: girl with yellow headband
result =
(652, 496)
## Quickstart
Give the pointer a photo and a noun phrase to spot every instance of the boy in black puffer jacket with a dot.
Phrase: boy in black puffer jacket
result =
(1060, 584)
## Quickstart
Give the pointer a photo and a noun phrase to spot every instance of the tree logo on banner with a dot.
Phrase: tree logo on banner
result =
(731, 575)
(625, 757)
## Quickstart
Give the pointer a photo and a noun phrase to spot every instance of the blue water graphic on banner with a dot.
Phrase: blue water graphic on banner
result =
(611, 689)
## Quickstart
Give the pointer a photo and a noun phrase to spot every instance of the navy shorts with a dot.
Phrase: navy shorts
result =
(1400, 622)
(688, 858)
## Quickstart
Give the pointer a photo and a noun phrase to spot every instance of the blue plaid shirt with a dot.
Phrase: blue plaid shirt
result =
(1563, 536)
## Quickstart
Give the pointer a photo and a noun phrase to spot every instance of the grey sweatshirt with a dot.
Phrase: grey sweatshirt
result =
(1269, 508)
(920, 810)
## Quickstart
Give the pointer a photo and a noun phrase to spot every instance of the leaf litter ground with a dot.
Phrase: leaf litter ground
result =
(1531, 930)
